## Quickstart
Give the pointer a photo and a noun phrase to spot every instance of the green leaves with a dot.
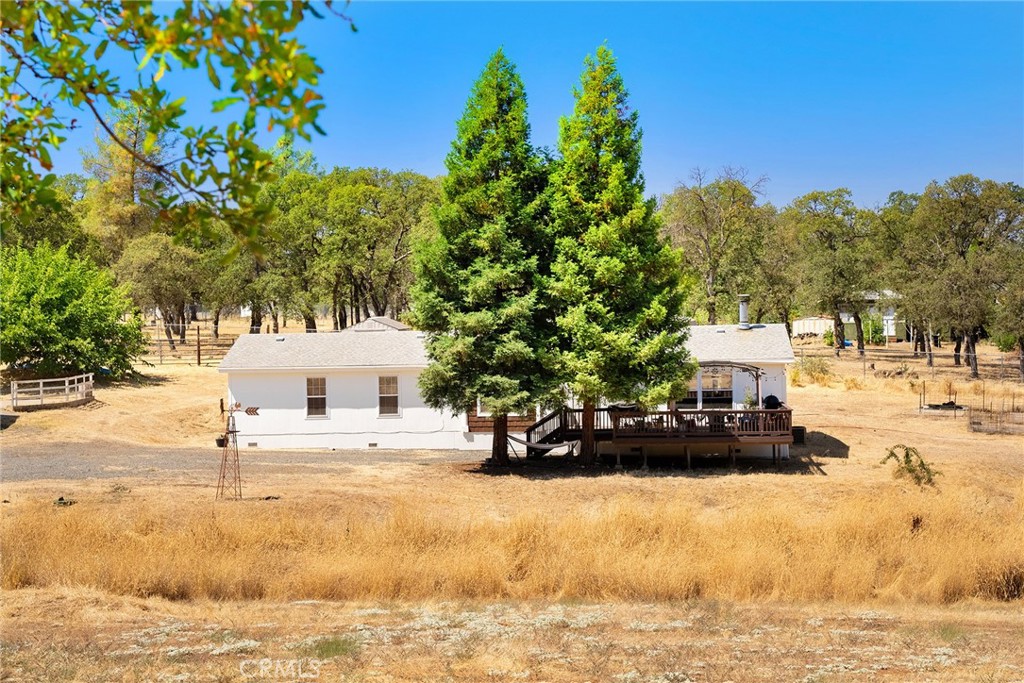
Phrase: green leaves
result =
(251, 45)
(63, 315)
(478, 283)
(615, 284)
(225, 102)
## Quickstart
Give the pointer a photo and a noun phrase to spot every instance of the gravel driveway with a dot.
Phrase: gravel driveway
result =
(111, 459)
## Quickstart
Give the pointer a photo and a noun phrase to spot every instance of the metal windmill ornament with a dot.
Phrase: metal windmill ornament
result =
(229, 485)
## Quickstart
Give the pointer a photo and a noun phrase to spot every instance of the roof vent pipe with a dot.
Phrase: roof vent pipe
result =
(744, 320)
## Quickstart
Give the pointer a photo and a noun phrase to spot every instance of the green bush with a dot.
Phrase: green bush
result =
(1006, 342)
(62, 315)
(910, 465)
(874, 330)
(829, 337)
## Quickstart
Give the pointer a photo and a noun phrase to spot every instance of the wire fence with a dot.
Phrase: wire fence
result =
(903, 362)
(995, 421)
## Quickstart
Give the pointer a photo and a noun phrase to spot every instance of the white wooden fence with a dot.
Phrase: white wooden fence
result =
(45, 393)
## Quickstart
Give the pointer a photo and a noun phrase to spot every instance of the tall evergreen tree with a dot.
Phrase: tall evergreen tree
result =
(120, 201)
(615, 281)
(477, 290)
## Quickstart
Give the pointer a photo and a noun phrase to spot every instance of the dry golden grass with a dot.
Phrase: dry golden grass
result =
(853, 384)
(894, 545)
(817, 572)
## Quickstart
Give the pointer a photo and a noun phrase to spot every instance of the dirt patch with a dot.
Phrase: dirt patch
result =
(76, 634)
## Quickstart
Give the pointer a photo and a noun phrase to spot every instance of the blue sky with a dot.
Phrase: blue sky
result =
(870, 96)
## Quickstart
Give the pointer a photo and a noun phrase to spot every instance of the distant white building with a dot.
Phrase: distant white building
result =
(876, 304)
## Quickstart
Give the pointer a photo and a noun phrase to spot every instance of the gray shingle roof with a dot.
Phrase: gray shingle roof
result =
(383, 347)
(759, 344)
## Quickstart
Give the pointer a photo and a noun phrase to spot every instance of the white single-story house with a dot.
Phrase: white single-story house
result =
(350, 389)
(358, 389)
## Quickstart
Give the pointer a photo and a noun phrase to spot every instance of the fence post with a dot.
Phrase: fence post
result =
(199, 348)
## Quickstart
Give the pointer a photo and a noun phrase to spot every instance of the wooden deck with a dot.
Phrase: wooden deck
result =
(681, 427)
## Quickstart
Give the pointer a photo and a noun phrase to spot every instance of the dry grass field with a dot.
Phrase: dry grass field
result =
(385, 566)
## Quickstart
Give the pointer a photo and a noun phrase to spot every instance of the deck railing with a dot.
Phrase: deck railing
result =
(676, 424)
(572, 418)
(548, 424)
(40, 393)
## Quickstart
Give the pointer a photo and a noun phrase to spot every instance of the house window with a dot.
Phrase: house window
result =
(387, 390)
(316, 397)
(717, 385)
(481, 411)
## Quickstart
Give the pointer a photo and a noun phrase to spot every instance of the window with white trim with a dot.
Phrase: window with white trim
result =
(316, 397)
(387, 392)
(481, 411)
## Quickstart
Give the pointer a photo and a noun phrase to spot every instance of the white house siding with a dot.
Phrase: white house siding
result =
(352, 419)
(773, 383)
(816, 326)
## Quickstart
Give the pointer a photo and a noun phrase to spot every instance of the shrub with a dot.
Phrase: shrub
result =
(814, 368)
(829, 337)
(63, 315)
(1005, 342)
(874, 331)
(911, 465)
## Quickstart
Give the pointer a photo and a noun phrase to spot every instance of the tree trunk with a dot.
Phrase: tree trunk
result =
(167, 329)
(216, 323)
(355, 305)
(310, 320)
(712, 311)
(958, 343)
(255, 318)
(928, 347)
(1020, 358)
(860, 332)
(273, 318)
(971, 342)
(193, 313)
(182, 324)
(499, 448)
(838, 333)
(335, 322)
(588, 450)
(918, 341)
